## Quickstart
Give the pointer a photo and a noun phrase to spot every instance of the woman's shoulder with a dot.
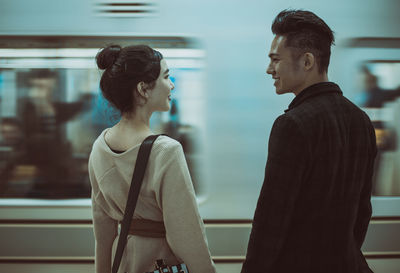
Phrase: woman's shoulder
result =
(166, 144)
(164, 150)
(99, 142)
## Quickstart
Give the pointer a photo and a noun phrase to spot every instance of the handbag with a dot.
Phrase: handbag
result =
(136, 183)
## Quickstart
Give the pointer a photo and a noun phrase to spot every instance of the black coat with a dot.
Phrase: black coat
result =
(314, 207)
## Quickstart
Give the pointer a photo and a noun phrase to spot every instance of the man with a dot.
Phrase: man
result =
(314, 207)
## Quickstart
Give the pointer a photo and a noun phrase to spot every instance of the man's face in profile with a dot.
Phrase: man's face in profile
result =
(284, 68)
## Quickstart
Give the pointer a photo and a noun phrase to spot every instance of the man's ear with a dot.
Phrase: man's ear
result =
(142, 89)
(309, 61)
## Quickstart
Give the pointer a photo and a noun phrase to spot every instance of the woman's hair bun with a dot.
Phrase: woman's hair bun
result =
(107, 56)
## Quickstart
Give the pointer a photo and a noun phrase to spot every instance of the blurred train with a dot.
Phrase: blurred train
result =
(222, 111)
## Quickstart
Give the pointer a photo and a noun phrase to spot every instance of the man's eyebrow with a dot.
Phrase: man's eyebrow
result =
(273, 55)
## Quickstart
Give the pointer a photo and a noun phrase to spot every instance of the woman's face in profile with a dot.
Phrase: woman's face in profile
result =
(160, 96)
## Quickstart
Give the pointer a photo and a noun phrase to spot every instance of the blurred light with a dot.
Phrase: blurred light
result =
(90, 53)
(85, 58)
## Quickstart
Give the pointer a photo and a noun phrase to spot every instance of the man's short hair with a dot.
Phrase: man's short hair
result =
(306, 32)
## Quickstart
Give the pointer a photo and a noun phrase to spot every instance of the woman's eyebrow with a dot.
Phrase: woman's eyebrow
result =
(166, 71)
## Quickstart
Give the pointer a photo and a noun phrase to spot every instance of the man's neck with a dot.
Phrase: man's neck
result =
(313, 79)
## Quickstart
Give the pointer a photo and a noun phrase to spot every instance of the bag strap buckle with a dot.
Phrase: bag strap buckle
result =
(163, 268)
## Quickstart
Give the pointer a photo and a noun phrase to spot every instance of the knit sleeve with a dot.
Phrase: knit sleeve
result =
(105, 230)
(184, 228)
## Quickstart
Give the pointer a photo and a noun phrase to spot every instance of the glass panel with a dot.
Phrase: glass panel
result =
(379, 95)
(51, 112)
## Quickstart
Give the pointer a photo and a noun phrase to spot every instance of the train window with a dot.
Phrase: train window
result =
(379, 95)
(51, 111)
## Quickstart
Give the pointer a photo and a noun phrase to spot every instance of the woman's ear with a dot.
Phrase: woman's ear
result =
(142, 89)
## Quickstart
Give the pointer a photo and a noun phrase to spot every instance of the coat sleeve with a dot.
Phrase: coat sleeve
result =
(105, 230)
(286, 165)
(365, 209)
(184, 228)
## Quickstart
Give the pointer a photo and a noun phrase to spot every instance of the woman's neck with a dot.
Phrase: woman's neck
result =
(138, 121)
(130, 131)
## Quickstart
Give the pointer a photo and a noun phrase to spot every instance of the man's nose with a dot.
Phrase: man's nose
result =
(270, 70)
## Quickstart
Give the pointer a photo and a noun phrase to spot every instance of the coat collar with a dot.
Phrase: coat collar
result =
(312, 91)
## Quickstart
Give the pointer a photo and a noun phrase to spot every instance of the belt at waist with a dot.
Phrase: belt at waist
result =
(147, 228)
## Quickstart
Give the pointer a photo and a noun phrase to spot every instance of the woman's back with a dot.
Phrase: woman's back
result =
(166, 195)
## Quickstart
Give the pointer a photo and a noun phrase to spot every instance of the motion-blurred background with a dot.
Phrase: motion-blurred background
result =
(223, 108)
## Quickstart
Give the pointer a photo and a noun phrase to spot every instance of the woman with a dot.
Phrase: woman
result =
(136, 81)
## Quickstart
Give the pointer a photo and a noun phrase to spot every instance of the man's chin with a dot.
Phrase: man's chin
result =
(281, 91)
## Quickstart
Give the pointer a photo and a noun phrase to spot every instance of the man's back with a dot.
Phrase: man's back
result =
(314, 208)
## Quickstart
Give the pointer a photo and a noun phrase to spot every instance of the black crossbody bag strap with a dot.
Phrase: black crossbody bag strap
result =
(136, 183)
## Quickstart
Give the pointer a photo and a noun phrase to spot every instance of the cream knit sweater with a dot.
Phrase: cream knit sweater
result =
(166, 195)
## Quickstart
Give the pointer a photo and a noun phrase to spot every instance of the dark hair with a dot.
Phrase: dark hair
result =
(306, 32)
(124, 68)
